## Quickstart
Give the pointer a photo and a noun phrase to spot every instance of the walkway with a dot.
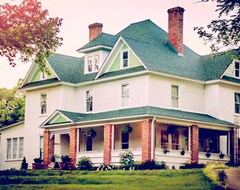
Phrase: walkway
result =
(233, 182)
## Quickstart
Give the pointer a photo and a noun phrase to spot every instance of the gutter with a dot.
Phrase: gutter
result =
(152, 139)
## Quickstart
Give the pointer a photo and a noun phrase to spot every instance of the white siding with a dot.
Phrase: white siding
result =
(227, 103)
(12, 132)
(212, 100)
(107, 96)
(33, 119)
(191, 95)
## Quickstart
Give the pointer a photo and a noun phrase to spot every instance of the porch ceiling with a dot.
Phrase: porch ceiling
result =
(139, 111)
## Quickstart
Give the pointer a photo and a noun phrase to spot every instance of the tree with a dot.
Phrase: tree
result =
(12, 106)
(27, 31)
(223, 32)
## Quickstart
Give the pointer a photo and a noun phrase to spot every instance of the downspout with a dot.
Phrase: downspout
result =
(153, 137)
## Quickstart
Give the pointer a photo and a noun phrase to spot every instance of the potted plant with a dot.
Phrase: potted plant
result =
(221, 155)
(165, 151)
(53, 158)
(91, 133)
(66, 158)
(208, 154)
(127, 129)
(24, 164)
(37, 160)
(182, 152)
(172, 130)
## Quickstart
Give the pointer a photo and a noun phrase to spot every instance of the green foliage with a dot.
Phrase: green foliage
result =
(223, 32)
(84, 163)
(12, 106)
(150, 165)
(53, 158)
(91, 133)
(127, 129)
(118, 179)
(28, 31)
(214, 171)
(126, 160)
(38, 160)
(65, 158)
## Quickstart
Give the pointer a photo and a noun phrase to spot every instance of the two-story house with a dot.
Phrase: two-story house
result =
(142, 79)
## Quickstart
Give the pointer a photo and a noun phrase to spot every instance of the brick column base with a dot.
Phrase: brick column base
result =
(73, 145)
(194, 143)
(234, 146)
(107, 144)
(46, 147)
(146, 140)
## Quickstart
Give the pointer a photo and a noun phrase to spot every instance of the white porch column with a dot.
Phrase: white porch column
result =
(189, 139)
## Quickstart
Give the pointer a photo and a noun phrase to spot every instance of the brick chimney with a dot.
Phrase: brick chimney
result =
(175, 28)
(95, 30)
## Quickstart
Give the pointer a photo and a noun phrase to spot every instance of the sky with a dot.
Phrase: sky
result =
(115, 15)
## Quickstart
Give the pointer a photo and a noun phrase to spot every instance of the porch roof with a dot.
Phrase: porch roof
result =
(141, 111)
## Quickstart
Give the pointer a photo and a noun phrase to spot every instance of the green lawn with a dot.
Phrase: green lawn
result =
(124, 180)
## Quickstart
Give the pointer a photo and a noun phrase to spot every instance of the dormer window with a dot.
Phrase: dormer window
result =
(124, 58)
(237, 69)
(96, 62)
(92, 63)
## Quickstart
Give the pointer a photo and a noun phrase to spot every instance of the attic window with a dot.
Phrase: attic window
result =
(124, 59)
(237, 69)
(92, 63)
(43, 76)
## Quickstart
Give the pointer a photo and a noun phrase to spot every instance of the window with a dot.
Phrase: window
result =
(43, 76)
(9, 151)
(20, 154)
(88, 143)
(89, 100)
(164, 139)
(175, 96)
(96, 62)
(124, 59)
(125, 95)
(90, 64)
(237, 69)
(41, 147)
(237, 103)
(15, 148)
(175, 141)
(43, 103)
(125, 140)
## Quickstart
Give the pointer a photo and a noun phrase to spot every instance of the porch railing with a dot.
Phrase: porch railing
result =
(95, 156)
(214, 157)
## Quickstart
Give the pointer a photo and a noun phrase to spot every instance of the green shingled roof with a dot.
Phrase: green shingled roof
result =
(150, 44)
(141, 111)
(104, 39)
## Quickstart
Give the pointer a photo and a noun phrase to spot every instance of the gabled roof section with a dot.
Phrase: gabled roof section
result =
(143, 111)
(113, 61)
(102, 41)
(58, 117)
(34, 74)
(216, 65)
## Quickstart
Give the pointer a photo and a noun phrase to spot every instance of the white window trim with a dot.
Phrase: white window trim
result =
(43, 76)
(11, 149)
(235, 69)
(40, 110)
(86, 101)
(125, 84)
(237, 114)
(92, 58)
(122, 61)
(177, 97)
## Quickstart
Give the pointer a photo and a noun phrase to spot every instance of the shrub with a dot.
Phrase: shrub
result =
(56, 165)
(126, 160)
(38, 160)
(105, 167)
(66, 158)
(84, 163)
(213, 173)
(150, 165)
